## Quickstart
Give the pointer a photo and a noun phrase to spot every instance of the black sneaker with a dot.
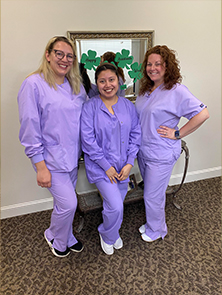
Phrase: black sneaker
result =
(78, 247)
(59, 253)
(54, 251)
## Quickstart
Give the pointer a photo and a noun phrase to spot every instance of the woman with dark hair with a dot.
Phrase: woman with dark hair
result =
(161, 103)
(91, 89)
(109, 56)
(110, 134)
(50, 103)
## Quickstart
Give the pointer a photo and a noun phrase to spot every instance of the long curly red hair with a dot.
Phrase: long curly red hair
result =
(172, 73)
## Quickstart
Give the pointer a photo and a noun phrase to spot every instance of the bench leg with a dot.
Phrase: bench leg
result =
(176, 205)
(80, 224)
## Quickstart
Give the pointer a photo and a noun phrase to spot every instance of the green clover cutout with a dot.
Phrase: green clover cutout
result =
(124, 59)
(90, 60)
(136, 72)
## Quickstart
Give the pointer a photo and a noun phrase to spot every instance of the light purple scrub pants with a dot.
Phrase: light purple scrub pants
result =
(64, 208)
(113, 197)
(156, 177)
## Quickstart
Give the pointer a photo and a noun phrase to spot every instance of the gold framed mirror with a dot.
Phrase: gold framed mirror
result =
(136, 42)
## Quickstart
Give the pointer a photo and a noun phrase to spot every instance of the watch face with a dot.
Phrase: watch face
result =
(177, 134)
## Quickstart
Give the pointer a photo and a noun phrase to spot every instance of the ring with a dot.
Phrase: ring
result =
(165, 133)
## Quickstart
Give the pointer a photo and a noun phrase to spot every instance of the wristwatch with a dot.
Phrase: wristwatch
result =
(177, 134)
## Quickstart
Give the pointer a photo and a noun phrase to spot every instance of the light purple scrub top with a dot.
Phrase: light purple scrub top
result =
(50, 123)
(109, 140)
(164, 108)
(93, 91)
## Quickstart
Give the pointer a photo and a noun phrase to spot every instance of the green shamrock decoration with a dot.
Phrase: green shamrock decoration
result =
(124, 59)
(90, 60)
(136, 72)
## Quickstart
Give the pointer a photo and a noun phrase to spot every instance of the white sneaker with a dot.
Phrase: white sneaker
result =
(142, 229)
(118, 244)
(148, 239)
(108, 249)
(48, 242)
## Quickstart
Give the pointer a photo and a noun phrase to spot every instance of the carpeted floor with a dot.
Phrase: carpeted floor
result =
(187, 261)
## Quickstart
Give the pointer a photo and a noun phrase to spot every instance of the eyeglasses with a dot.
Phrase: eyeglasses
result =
(60, 55)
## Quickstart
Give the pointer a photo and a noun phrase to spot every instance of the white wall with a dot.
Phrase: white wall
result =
(192, 28)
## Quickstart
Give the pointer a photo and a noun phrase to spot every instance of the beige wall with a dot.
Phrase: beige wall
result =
(192, 28)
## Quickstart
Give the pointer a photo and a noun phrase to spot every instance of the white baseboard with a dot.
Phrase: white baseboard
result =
(47, 204)
(26, 208)
(196, 175)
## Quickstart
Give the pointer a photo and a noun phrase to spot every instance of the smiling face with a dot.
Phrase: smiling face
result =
(108, 84)
(155, 69)
(60, 66)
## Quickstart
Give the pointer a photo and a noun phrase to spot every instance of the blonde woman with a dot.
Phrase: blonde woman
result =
(50, 103)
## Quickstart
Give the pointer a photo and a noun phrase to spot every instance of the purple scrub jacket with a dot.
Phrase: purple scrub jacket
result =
(50, 123)
(109, 140)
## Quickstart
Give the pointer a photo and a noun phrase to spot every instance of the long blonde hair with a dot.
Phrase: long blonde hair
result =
(47, 73)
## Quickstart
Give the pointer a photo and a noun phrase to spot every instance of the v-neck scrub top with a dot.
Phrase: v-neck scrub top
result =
(107, 139)
(164, 108)
(50, 123)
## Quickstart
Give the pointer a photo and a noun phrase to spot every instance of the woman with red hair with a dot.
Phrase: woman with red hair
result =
(162, 101)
